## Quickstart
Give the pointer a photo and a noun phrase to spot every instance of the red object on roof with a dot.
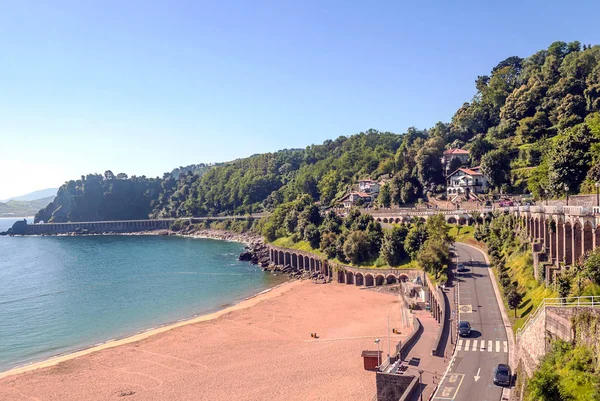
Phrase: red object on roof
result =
(470, 171)
(456, 151)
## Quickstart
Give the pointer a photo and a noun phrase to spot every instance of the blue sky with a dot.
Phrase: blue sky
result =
(144, 86)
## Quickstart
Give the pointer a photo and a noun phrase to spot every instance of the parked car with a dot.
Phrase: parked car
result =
(502, 375)
(464, 329)
(461, 268)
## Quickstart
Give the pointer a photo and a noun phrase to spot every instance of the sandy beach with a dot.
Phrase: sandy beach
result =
(259, 349)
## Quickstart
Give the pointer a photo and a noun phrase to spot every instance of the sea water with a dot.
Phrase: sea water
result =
(60, 294)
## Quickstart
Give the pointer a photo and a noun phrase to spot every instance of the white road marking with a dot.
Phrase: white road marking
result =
(459, 346)
(467, 343)
(497, 346)
(482, 346)
(505, 346)
(490, 346)
(477, 377)
(474, 345)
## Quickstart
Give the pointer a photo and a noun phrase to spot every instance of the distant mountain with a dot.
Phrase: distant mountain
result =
(41, 194)
(20, 208)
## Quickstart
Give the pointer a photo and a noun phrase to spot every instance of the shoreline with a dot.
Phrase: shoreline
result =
(245, 303)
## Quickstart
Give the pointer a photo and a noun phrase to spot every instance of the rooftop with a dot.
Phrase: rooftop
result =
(456, 151)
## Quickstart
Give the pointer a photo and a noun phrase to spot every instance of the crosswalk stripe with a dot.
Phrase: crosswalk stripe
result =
(474, 345)
(467, 343)
(497, 346)
(459, 346)
(505, 346)
(482, 346)
(490, 346)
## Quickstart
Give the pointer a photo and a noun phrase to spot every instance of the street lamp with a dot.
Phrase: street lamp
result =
(567, 192)
(378, 354)
(421, 383)
(597, 197)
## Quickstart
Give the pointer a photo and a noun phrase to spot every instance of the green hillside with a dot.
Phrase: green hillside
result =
(533, 125)
(16, 208)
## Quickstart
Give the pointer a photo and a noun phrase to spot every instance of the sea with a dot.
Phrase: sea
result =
(62, 294)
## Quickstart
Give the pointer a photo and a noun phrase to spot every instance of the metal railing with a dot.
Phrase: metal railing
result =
(567, 302)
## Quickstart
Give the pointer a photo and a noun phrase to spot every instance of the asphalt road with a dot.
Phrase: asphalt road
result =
(470, 376)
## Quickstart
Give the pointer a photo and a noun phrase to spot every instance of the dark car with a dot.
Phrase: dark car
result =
(502, 375)
(464, 329)
(461, 268)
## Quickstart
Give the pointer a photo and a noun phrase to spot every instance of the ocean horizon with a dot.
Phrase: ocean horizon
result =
(63, 294)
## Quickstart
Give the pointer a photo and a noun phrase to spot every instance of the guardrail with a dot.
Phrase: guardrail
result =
(567, 302)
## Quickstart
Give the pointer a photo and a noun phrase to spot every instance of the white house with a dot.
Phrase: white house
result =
(352, 199)
(461, 154)
(369, 186)
(466, 180)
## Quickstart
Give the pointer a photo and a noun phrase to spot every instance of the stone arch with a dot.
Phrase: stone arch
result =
(281, 259)
(288, 258)
(341, 276)
(406, 219)
(359, 279)
(326, 270)
(379, 280)
(471, 221)
(451, 220)
(577, 245)
(294, 260)
(568, 244)
(536, 228)
(398, 220)
(300, 262)
(403, 278)
(349, 277)
(385, 219)
(306, 263)
(369, 280)
(462, 221)
(588, 238)
(391, 279)
(560, 240)
(379, 219)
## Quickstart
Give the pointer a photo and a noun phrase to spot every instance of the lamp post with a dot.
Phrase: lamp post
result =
(597, 197)
(421, 383)
(567, 192)
(378, 354)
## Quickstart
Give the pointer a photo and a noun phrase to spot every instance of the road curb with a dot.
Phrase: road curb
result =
(505, 319)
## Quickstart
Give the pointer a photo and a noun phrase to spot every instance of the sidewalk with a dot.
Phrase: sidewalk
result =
(419, 356)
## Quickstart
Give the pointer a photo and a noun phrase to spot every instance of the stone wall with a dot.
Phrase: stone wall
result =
(531, 343)
(393, 387)
(552, 323)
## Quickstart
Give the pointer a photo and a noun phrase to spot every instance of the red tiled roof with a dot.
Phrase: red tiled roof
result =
(456, 151)
(360, 194)
(469, 171)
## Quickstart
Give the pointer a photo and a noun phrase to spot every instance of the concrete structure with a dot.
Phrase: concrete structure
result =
(111, 226)
(466, 181)
(462, 217)
(560, 235)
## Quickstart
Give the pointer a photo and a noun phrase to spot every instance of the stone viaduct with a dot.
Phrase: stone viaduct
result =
(461, 217)
(560, 236)
(361, 277)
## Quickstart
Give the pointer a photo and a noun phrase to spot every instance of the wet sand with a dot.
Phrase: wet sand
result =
(259, 349)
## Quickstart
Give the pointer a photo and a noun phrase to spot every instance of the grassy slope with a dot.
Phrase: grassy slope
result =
(520, 267)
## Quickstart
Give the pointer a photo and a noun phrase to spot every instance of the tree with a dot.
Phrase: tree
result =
(569, 160)
(385, 197)
(392, 247)
(312, 235)
(513, 297)
(357, 247)
(454, 165)
(496, 166)
(415, 238)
